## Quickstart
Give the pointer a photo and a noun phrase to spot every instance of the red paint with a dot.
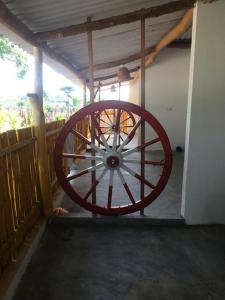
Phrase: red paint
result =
(126, 208)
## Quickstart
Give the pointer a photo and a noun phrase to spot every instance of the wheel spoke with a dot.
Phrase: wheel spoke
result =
(84, 139)
(126, 120)
(131, 172)
(142, 146)
(147, 162)
(81, 136)
(77, 156)
(85, 171)
(100, 120)
(102, 137)
(126, 186)
(95, 185)
(108, 137)
(123, 132)
(108, 117)
(121, 138)
(130, 151)
(110, 190)
(130, 135)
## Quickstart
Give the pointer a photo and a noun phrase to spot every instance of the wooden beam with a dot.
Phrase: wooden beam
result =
(174, 33)
(92, 99)
(8, 19)
(142, 102)
(151, 12)
(119, 62)
(176, 44)
(113, 75)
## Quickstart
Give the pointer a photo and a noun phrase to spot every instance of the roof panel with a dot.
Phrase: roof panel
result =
(109, 44)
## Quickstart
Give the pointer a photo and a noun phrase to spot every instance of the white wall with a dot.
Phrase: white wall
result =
(204, 172)
(167, 92)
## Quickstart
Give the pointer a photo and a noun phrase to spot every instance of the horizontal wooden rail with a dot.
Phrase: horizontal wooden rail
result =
(53, 132)
(16, 147)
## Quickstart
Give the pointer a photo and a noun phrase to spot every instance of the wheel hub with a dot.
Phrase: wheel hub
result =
(112, 160)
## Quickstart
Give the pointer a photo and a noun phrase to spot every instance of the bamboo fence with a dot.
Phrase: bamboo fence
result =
(21, 199)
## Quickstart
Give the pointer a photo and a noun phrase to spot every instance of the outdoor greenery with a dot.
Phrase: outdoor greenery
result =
(11, 52)
(16, 113)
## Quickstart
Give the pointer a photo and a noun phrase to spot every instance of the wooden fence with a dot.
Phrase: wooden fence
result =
(52, 132)
(21, 199)
(83, 128)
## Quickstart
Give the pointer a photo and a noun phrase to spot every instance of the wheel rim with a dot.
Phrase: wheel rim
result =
(113, 161)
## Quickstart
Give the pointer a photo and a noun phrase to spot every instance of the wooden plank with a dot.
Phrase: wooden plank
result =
(142, 186)
(53, 132)
(91, 86)
(151, 12)
(182, 44)
(17, 146)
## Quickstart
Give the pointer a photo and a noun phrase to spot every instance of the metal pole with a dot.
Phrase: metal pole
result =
(91, 85)
(142, 191)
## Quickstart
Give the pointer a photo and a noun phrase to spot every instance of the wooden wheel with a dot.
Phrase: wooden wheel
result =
(107, 124)
(116, 169)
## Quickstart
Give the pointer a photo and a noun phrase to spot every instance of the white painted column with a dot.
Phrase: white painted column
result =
(203, 199)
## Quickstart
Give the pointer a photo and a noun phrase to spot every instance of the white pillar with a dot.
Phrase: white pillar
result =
(203, 199)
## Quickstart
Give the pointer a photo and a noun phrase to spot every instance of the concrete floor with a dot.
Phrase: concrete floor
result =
(127, 263)
(166, 206)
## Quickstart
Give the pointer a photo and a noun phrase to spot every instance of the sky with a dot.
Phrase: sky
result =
(11, 86)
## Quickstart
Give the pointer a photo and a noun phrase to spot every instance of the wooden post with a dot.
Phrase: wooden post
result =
(84, 94)
(36, 102)
(119, 90)
(92, 95)
(99, 91)
(142, 192)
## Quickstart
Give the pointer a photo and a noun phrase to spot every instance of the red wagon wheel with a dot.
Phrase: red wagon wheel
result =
(117, 170)
(107, 124)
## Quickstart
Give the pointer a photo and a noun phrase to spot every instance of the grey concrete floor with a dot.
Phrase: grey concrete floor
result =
(127, 263)
(166, 206)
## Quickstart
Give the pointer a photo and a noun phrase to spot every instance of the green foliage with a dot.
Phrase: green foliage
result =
(59, 117)
(12, 121)
(48, 108)
(20, 104)
(2, 119)
(67, 90)
(11, 52)
(75, 101)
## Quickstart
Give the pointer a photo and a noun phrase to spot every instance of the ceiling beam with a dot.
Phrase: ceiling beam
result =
(102, 78)
(136, 56)
(8, 19)
(118, 62)
(151, 12)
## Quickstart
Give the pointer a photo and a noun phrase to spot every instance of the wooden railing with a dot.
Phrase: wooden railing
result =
(20, 197)
(52, 132)
(83, 128)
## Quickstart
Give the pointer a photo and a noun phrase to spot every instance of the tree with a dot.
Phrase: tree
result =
(11, 52)
(67, 90)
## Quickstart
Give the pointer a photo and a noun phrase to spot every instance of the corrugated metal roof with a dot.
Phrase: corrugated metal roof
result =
(109, 44)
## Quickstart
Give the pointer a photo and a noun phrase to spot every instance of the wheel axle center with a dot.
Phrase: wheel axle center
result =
(113, 162)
